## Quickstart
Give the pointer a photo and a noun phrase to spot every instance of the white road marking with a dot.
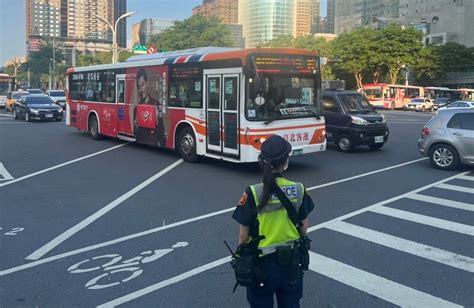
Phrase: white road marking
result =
(61, 165)
(466, 177)
(366, 174)
(4, 174)
(424, 251)
(154, 230)
(380, 287)
(70, 232)
(445, 202)
(6, 115)
(425, 220)
(164, 283)
(456, 188)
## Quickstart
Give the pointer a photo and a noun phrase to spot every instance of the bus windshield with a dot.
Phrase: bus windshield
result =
(4, 87)
(373, 93)
(273, 97)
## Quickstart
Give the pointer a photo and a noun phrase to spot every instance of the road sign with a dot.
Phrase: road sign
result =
(151, 49)
(140, 49)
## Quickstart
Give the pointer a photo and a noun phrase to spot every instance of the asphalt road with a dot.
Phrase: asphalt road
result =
(89, 223)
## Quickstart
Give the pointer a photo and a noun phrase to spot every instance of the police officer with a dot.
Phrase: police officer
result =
(261, 214)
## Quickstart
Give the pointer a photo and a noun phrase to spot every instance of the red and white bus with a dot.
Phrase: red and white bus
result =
(216, 102)
(391, 96)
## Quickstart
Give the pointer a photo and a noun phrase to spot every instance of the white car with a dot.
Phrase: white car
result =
(458, 105)
(420, 104)
(58, 97)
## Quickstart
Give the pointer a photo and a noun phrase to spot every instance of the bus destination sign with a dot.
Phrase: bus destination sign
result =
(285, 64)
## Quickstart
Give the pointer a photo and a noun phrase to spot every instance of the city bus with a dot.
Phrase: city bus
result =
(466, 94)
(7, 85)
(391, 96)
(441, 92)
(215, 102)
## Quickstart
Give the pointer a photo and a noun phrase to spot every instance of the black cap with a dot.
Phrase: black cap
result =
(275, 150)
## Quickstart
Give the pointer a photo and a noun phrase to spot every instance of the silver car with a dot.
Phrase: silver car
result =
(448, 138)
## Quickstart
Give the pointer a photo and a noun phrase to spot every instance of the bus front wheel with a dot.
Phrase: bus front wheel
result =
(187, 145)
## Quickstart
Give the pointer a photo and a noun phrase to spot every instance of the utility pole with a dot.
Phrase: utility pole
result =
(54, 65)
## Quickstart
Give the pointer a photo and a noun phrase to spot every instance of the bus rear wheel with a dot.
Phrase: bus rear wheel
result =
(186, 145)
(94, 127)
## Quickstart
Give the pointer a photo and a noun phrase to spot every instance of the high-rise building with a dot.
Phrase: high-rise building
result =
(302, 17)
(225, 10)
(43, 18)
(330, 16)
(357, 13)
(441, 21)
(135, 34)
(152, 26)
(314, 14)
(265, 20)
(75, 24)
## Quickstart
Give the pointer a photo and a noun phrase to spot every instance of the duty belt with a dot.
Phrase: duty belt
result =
(271, 249)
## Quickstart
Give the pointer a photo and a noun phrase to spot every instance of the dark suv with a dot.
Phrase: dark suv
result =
(351, 121)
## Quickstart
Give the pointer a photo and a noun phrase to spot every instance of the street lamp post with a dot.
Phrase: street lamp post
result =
(405, 67)
(114, 33)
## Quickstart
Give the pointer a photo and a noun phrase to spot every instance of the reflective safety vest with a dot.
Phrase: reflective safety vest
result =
(273, 220)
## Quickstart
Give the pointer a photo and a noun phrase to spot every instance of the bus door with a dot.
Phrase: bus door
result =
(222, 100)
(124, 115)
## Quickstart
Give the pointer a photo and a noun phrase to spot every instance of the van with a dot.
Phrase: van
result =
(351, 121)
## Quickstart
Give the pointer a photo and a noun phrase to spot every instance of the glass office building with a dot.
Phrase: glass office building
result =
(265, 20)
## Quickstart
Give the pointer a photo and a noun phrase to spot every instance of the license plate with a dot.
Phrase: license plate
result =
(48, 115)
(297, 152)
(379, 139)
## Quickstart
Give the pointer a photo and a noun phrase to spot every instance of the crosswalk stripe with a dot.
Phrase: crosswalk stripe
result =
(424, 251)
(380, 287)
(445, 202)
(465, 177)
(425, 220)
(456, 188)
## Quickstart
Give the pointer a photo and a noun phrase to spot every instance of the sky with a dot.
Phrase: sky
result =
(12, 20)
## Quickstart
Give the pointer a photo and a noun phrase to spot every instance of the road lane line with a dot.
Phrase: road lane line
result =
(425, 220)
(456, 188)
(366, 174)
(6, 115)
(424, 251)
(154, 230)
(380, 287)
(61, 165)
(70, 232)
(445, 202)
(466, 177)
(5, 175)
(164, 283)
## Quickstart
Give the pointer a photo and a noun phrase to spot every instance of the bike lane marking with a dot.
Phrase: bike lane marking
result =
(205, 216)
(73, 230)
(162, 284)
(60, 165)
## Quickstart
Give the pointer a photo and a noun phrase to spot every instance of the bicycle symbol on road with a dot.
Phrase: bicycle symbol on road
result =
(113, 264)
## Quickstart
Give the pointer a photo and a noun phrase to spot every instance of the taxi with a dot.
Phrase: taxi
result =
(12, 98)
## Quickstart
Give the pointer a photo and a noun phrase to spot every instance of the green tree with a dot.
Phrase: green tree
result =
(352, 52)
(40, 63)
(454, 56)
(281, 41)
(399, 46)
(196, 31)
(428, 65)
